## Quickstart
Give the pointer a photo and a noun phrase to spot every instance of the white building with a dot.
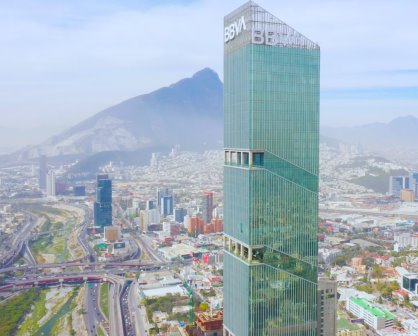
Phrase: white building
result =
(50, 183)
(373, 315)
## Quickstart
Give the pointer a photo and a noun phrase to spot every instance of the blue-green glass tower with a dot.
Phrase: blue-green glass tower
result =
(271, 106)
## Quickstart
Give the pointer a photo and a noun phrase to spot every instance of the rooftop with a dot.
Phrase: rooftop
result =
(373, 309)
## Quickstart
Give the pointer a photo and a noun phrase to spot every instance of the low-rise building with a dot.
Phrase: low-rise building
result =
(373, 315)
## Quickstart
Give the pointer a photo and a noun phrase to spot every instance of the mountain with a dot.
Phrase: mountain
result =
(394, 140)
(188, 113)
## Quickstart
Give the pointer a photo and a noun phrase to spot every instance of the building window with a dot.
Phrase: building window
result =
(258, 159)
(245, 158)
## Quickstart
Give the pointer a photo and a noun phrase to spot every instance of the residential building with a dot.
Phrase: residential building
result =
(209, 324)
(271, 135)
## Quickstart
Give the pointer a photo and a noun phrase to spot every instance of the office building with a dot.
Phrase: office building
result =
(375, 316)
(179, 214)
(43, 171)
(103, 204)
(327, 307)
(413, 183)
(396, 184)
(50, 183)
(162, 192)
(207, 206)
(167, 205)
(149, 218)
(150, 205)
(79, 191)
(271, 135)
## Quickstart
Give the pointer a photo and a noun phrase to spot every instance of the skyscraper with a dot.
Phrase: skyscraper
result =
(207, 206)
(271, 108)
(50, 183)
(167, 205)
(43, 170)
(397, 183)
(103, 204)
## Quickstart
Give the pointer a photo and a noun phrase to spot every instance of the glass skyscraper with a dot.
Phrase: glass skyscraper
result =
(271, 106)
(103, 204)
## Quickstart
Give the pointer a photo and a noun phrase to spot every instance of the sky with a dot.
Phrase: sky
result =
(62, 61)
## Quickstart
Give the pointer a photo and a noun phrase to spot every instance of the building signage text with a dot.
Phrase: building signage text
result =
(234, 29)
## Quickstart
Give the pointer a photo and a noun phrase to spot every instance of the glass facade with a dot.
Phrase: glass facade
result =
(271, 106)
(103, 204)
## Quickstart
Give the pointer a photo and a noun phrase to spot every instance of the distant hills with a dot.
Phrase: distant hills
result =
(188, 113)
(394, 140)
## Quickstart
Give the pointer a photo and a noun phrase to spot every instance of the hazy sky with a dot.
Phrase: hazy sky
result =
(62, 61)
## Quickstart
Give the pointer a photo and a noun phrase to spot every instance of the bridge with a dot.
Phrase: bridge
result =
(54, 281)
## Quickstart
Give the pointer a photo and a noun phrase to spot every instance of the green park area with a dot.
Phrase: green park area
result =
(14, 309)
(51, 241)
(344, 324)
(104, 299)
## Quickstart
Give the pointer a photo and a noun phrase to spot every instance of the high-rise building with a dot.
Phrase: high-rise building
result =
(103, 204)
(167, 205)
(179, 214)
(413, 183)
(150, 205)
(207, 206)
(271, 110)
(163, 192)
(79, 190)
(327, 307)
(397, 183)
(50, 183)
(43, 170)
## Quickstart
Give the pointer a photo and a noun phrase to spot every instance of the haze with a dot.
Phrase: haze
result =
(63, 61)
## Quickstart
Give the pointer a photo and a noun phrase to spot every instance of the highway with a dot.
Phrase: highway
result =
(126, 317)
(93, 317)
(127, 323)
(17, 245)
(138, 314)
(115, 315)
(143, 245)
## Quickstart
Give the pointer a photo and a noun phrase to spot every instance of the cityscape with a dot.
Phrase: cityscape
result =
(216, 205)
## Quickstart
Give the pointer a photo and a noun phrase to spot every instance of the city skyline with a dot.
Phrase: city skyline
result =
(82, 58)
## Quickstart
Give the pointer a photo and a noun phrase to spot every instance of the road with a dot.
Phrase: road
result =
(19, 240)
(372, 212)
(137, 312)
(127, 322)
(115, 315)
(144, 246)
(93, 317)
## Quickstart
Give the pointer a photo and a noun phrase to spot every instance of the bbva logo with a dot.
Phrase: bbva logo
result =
(234, 29)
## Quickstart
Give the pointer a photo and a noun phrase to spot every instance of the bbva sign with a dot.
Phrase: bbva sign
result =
(234, 29)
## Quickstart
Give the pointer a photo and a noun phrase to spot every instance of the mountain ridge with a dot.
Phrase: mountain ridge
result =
(188, 112)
